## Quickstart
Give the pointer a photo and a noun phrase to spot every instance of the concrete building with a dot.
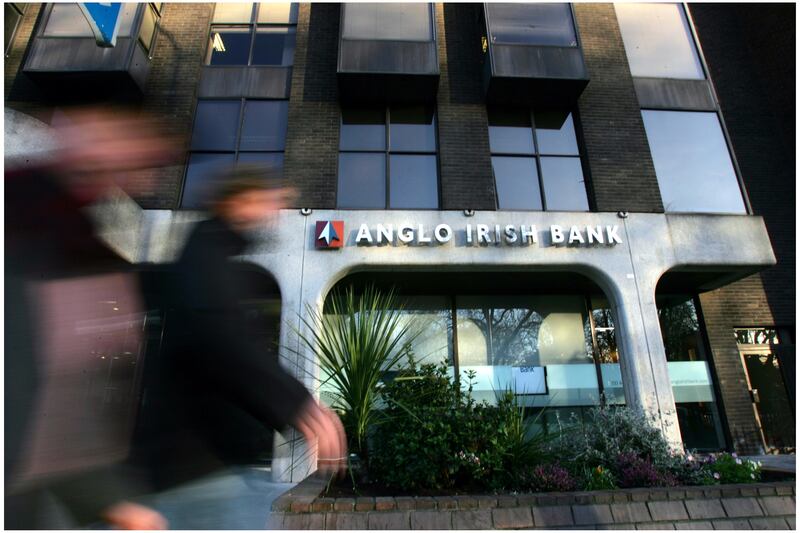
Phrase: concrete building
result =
(590, 202)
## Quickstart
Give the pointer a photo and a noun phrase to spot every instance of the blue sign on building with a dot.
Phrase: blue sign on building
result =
(104, 18)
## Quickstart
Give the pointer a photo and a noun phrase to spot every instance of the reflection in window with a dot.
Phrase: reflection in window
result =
(258, 34)
(67, 20)
(147, 31)
(693, 165)
(536, 161)
(689, 373)
(229, 131)
(533, 24)
(387, 158)
(388, 21)
(757, 336)
(658, 41)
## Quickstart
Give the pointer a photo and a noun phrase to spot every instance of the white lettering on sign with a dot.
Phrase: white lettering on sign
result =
(484, 235)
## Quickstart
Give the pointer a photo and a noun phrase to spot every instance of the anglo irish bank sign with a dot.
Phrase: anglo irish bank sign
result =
(331, 234)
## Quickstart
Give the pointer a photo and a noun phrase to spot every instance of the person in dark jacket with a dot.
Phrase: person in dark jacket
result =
(211, 385)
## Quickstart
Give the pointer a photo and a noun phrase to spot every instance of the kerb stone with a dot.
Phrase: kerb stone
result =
(667, 510)
(592, 514)
(739, 507)
(512, 518)
(431, 520)
(700, 509)
(552, 516)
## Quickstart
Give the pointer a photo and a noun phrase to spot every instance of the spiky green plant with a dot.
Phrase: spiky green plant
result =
(356, 340)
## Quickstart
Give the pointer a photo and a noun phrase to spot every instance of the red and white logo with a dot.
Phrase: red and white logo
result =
(329, 234)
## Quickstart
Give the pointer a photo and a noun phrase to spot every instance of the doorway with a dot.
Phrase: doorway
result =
(766, 362)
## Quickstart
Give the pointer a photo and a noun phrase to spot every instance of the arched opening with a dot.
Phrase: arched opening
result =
(548, 336)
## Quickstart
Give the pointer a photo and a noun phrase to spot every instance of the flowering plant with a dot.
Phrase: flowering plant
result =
(550, 478)
(729, 468)
(599, 478)
(635, 471)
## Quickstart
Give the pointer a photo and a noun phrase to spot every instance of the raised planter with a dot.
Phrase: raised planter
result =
(750, 506)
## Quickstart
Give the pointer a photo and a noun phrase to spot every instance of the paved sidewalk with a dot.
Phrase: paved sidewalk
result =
(234, 499)
(781, 463)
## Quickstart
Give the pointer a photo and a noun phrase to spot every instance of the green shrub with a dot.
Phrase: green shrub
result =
(436, 436)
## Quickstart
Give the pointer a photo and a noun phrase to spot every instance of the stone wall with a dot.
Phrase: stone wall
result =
(752, 506)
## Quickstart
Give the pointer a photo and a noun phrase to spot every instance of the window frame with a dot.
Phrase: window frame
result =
(431, 13)
(537, 155)
(236, 151)
(578, 43)
(16, 7)
(252, 27)
(387, 153)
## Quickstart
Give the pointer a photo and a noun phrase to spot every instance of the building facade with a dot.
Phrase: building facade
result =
(592, 203)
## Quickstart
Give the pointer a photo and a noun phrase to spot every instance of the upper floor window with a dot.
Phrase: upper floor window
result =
(253, 34)
(232, 131)
(13, 15)
(67, 20)
(536, 161)
(388, 21)
(387, 158)
(693, 165)
(658, 41)
(533, 24)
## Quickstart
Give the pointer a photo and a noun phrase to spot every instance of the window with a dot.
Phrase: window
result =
(13, 14)
(497, 336)
(658, 41)
(536, 161)
(693, 165)
(387, 158)
(67, 20)
(689, 373)
(230, 131)
(388, 21)
(147, 31)
(252, 34)
(533, 24)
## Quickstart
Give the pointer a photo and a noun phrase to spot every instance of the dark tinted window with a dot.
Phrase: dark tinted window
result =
(555, 133)
(412, 176)
(564, 189)
(413, 183)
(510, 131)
(264, 125)
(229, 46)
(274, 46)
(532, 23)
(362, 180)
(517, 183)
(245, 131)
(412, 129)
(363, 129)
(216, 125)
(201, 173)
(693, 165)
(530, 137)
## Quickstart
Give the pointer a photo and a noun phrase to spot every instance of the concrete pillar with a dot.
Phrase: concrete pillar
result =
(643, 362)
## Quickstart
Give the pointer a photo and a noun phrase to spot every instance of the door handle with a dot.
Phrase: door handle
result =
(754, 396)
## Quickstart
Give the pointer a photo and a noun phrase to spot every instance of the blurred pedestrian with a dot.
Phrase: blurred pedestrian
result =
(57, 271)
(213, 384)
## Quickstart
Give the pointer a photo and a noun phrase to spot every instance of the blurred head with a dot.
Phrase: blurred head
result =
(250, 196)
(100, 148)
